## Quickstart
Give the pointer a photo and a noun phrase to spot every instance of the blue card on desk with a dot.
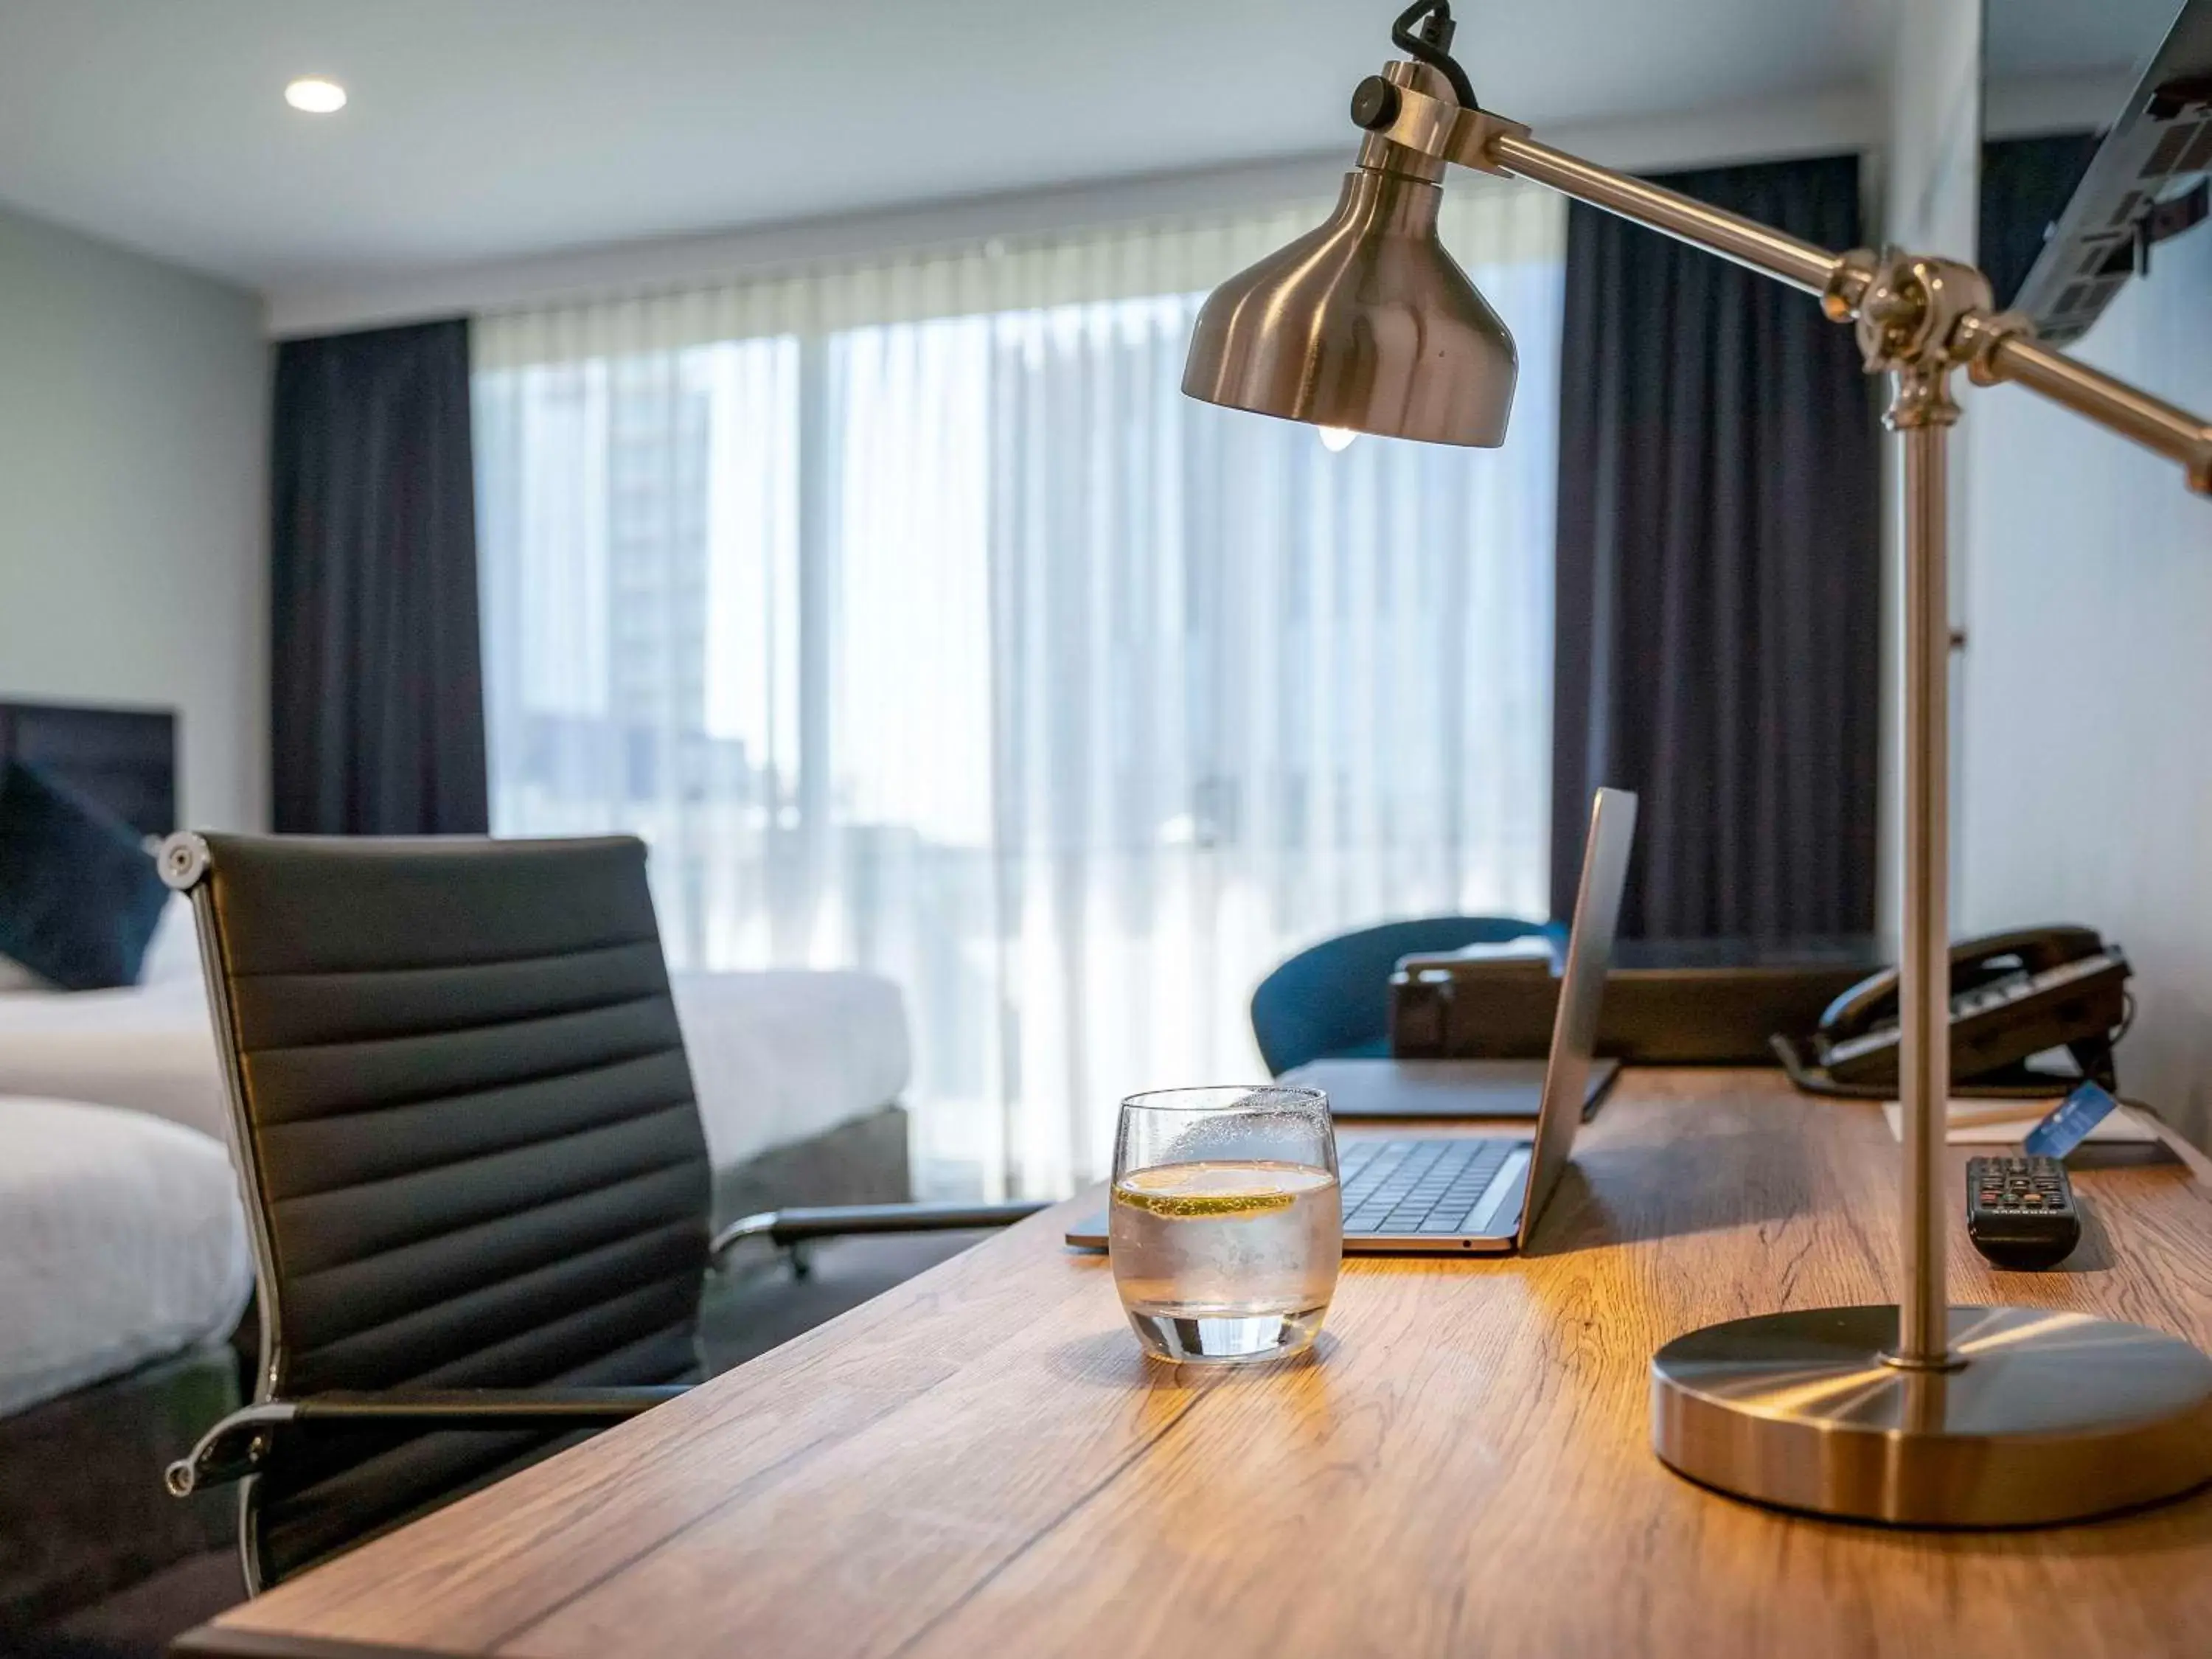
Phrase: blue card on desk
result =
(2069, 1122)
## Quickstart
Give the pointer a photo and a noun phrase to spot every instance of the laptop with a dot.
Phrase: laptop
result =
(1483, 1194)
(1360, 1088)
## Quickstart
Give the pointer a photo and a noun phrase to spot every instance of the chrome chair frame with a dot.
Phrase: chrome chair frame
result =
(252, 1439)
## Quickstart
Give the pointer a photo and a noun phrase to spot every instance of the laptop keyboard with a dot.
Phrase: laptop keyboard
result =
(1401, 1186)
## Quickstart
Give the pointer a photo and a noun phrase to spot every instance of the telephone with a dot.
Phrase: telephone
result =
(2013, 996)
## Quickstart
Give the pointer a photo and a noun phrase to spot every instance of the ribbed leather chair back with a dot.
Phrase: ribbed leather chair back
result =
(469, 1138)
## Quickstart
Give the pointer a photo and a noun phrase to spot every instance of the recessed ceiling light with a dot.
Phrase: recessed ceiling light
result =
(316, 95)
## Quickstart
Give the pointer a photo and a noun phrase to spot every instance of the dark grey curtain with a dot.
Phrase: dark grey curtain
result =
(376, 672)
(1719, 586)
(2026, 185)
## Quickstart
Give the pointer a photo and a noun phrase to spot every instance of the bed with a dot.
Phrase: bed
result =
(121, 1241)
(798, 1073)
(148, 1046)
(123, 1268)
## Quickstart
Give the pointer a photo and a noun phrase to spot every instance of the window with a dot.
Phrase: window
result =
(955, 644)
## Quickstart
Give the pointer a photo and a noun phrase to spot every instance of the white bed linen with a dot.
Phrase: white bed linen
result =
(121, 1240)
(776, 1056)
(148, 1046)
(780, 1055)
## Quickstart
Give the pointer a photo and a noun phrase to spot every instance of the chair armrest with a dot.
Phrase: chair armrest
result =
(796, 1225)
(243, 1442)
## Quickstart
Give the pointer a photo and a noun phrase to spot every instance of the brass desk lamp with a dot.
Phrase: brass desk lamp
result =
(1919, 1413)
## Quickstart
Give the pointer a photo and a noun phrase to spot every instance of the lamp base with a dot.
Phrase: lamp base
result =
(2046, 1417)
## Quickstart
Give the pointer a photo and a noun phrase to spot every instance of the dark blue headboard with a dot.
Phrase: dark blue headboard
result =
(123, 758)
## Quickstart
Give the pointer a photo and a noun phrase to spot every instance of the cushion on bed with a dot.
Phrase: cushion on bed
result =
(172, 957)
(79, 896)
(121, 1240)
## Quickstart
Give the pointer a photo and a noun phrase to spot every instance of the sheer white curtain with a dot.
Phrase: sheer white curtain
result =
(921, 624)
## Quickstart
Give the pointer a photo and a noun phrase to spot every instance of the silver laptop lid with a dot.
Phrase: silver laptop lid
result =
(1581, 990)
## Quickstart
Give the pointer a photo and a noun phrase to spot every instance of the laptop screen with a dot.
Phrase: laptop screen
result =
(1581, 990)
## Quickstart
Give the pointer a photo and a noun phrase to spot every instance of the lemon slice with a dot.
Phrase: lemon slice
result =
(1193, 1192)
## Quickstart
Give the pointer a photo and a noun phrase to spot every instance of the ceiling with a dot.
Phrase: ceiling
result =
(483, 129)
(489, 128)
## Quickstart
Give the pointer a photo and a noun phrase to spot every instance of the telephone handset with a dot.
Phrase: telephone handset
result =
(2013, 994)
(1974, 963)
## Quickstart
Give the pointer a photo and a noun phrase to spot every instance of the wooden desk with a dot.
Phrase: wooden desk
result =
(980, 1463)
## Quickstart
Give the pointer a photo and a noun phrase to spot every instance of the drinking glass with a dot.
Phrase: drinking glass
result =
(1226, 1228)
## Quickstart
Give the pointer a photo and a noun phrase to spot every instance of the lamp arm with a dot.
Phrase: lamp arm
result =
(1912, 312)
(2017, 358)
(1788, 259)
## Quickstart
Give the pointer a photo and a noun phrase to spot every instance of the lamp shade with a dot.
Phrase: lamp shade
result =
(1365, 322)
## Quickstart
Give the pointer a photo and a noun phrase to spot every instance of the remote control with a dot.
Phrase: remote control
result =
(2020, 1211)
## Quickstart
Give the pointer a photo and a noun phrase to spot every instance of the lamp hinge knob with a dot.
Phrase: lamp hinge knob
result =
(1375, 104)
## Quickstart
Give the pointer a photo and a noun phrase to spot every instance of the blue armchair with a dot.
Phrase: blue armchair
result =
(1333, 1000)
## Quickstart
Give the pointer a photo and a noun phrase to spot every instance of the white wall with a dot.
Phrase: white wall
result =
(1930, 204)
(1935, 92)
(2087, 789)
(133, 437)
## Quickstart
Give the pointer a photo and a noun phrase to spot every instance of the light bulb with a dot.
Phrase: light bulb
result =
(315, 95)
(1337, 439)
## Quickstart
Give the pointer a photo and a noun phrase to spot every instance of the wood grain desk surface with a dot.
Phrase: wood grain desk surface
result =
(979, 1462)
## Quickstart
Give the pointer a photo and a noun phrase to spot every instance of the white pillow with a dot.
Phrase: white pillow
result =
(14, 976)
(173, 953)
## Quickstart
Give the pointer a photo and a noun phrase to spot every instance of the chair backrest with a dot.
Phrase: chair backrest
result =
(1334, 998)
(466, 1129)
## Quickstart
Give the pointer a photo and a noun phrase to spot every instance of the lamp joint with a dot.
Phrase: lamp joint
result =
(1432, 127)
(1848, 284)
(1912, 309)
(1920, 397)
(1980, 337)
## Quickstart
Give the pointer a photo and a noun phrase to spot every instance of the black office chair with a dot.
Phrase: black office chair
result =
(474, 1170)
